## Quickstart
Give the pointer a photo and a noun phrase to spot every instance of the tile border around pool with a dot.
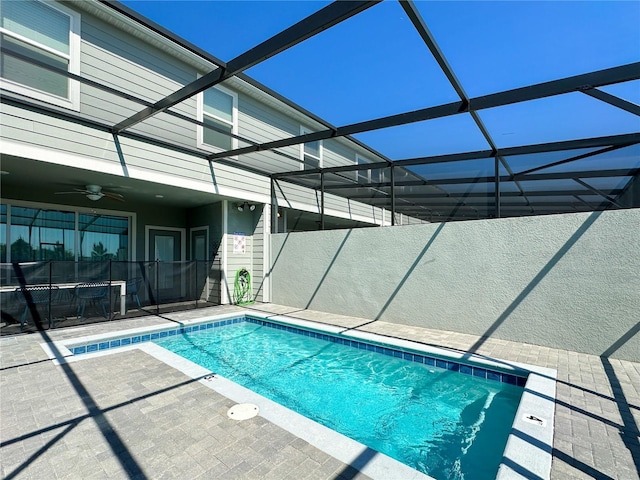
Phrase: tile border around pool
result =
(519, 378)
(431, 361)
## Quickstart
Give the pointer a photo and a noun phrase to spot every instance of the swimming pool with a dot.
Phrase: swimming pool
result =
(435, 419)
(528, 449)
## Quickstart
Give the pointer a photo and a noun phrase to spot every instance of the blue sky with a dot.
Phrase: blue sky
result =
(375, 64)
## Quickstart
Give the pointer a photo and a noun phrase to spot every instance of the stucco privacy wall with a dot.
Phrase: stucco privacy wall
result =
(564, 281)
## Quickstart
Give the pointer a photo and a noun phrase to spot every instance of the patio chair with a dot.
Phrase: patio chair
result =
(133, 286)
(92, 292)
(33, 296)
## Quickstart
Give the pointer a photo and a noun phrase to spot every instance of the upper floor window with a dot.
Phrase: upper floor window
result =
(373, 175)
(46, 33)
(217, 108)
(310, 152)
(362, 176)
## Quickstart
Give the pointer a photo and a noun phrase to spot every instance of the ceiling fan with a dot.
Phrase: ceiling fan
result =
(94, 192)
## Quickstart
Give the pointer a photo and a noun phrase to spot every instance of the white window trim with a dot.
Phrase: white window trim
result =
(73, 101)
(304, 131)
(234, 124)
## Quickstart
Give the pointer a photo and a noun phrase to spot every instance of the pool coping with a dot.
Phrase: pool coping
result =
(527, 454)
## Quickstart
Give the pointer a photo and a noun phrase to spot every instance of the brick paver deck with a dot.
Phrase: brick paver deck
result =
(129, 415)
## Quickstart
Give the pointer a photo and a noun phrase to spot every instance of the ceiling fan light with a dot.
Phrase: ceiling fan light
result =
(252, 207)
(94, 196)
(241, 207)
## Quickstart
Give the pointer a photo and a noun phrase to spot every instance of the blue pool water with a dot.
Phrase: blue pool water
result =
(442, 423)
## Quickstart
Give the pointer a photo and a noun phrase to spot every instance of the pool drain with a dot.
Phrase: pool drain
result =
(243, 411)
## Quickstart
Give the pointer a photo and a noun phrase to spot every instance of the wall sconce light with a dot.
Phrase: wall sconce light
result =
(245, 205)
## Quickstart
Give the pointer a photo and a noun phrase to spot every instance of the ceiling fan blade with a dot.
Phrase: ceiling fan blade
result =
(113, 196)
(65, 193)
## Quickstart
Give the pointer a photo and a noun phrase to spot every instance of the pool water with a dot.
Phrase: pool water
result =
(442, 423)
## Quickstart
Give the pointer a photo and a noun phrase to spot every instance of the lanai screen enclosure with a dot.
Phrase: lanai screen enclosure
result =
(576, 174)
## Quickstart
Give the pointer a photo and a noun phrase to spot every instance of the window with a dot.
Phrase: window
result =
(37, 234)
(103, 237)
(46, 33)
(362, 176)
(310, 153)
(217, 108)
(373, 175)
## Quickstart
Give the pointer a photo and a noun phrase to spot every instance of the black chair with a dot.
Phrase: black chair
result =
(92, 292)
(34, 295)
(133, 286)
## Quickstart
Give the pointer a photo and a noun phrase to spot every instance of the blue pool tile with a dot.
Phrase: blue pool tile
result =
(418, 358)
(521, 381)
(480, 372)
(453, 366)
(216, 324)
(115, 343)
(510, 379)
(493, 376)
(172, 332)
(163, 334)
(92, 348)
(125, 341)
(209, 325)
(371, 348)
(135, 339)
(146, 338)
(430, 361)
(397, 354)
(362, 346)
(441, 363)
(466, 369)
(388, 351)
(203, 327)
(103, 345)
(79, 350)
(407, 356)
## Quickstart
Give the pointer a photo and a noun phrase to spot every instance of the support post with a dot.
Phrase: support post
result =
(393, 194)
(497, 185)
(321, 200)
(274, 207)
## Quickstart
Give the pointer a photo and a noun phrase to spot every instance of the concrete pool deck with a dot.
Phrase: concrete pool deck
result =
(128, 415)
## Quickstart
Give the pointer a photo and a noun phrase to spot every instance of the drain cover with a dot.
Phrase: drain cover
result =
(243, 411)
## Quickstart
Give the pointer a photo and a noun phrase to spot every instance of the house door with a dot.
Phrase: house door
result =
(165, 249)
(199, 265)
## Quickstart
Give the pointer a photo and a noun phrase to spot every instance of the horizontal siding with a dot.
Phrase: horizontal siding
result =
(30, 128)
(124, 62)
(119, 43)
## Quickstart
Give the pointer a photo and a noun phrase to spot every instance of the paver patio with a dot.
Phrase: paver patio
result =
(128, 415)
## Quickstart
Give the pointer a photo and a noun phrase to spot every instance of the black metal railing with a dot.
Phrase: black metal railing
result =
(51, 294)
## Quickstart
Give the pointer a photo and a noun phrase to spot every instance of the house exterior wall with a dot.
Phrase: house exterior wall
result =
(567, 281)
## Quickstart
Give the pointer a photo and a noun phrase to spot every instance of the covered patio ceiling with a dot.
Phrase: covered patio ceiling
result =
(576, 174)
